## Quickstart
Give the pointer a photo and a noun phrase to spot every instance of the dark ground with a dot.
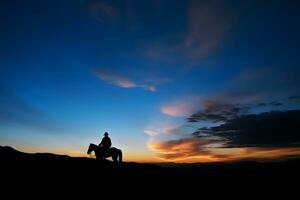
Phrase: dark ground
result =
(22, 168)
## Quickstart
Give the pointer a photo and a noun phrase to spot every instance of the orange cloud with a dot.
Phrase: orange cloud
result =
(180, 150)
(198, 150)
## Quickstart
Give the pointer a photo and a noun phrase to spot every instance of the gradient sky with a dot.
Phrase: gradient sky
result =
(151, 73)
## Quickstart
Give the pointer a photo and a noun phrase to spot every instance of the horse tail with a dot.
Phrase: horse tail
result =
(120, 156)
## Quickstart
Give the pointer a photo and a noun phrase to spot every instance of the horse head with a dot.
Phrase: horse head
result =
(90, 149)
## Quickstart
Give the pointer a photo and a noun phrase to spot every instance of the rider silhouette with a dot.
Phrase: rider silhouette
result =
(105, 144)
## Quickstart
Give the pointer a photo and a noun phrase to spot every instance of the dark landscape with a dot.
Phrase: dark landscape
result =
(166, 96)
(47, 164)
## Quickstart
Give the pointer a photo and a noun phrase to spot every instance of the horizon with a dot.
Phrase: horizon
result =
(170, 81)
(257, 160)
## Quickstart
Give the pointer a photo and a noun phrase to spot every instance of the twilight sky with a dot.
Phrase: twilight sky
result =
(170, 80)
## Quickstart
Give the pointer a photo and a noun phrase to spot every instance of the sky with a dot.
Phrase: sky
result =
(171, 81)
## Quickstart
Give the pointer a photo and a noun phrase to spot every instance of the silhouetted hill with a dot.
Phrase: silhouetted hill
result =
(46, 166)
(10, 154)
(11, 158)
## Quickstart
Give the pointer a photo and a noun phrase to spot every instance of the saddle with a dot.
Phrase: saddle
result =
(104, 151)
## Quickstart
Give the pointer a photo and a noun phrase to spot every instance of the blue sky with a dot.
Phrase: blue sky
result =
(71, 70)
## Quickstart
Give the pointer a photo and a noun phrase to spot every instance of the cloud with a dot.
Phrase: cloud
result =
(274, 103)
(208, 107)
(123, 81)
(179, 149)
(164, 128)
(219, 112)
(200, 116)
(253, 88)
(293, 97)
(239, 134)
(151, 132)
(200, 150)
(269, 129)
(261, 104)
(131, 16)
(103, 12)
(208, 24)
(178, 109)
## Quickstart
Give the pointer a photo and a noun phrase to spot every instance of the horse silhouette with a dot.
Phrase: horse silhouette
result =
(113, 152)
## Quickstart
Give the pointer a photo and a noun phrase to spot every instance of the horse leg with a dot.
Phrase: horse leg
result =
(114, 157)
(120, 156)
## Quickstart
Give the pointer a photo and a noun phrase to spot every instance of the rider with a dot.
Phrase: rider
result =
(105, 144)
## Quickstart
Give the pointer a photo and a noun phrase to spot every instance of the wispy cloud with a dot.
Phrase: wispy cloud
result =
(165, 128)
(131, 15)
(151, 132)
(103, 12)
(208, 23)
(183, 107)
(123, 81)
(178, 109)
(206, 28)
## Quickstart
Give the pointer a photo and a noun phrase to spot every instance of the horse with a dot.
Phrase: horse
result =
(111, 152)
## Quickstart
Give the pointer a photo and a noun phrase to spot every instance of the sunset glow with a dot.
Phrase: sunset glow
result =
(170, 81)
